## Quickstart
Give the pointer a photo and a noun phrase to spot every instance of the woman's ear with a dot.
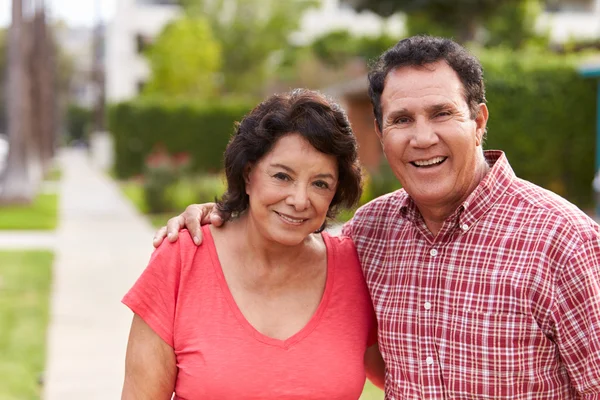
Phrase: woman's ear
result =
(247, 170)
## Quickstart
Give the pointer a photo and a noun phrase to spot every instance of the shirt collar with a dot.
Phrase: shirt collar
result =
(485, 195)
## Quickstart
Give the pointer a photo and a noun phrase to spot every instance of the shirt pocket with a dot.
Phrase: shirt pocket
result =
(496, 355)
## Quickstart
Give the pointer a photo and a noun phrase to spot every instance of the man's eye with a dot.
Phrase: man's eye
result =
(443, 114)
(402, 120)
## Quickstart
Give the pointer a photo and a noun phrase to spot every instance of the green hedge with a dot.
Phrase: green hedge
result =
(543, 114)
(202, 130)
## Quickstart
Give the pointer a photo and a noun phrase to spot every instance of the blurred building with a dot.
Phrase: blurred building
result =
(136, 23)
(571, 20)
(77, 45)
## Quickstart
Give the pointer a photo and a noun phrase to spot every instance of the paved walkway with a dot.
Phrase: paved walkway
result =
(27, 240)
(102, 245)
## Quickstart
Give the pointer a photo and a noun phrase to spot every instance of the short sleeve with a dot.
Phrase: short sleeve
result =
(154, 295)
(347, 228)
(576, 317)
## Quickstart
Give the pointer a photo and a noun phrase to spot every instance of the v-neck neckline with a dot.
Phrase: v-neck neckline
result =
(312, 323)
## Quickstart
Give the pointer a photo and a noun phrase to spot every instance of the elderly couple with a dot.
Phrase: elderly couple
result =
(468, 283)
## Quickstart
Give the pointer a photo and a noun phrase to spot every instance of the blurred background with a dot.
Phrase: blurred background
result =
(114, 115)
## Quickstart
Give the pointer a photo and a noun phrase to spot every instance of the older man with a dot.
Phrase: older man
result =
(485, 285)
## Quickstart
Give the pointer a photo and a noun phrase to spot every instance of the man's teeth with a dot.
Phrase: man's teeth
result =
(424, 163)
(292, 220)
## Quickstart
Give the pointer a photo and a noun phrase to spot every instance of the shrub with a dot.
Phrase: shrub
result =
(542, 115)
(160, 175)
(202, 130)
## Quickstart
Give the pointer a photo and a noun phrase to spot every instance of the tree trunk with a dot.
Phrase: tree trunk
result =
(43, 89)
(23, 168)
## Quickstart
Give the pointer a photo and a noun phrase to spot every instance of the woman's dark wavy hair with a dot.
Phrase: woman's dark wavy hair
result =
(319, 120)
(419, 51)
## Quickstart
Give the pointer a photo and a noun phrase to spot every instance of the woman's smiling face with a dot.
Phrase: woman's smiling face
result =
(290, 190)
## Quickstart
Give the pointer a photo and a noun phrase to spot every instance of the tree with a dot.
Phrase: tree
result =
(23, 167)
(31, 109)
(250, 33)
(184, 60)
(458, 18)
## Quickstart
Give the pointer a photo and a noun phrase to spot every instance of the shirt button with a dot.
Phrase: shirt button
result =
(464, 227)
(427, 305)
(429, 360)
(433, 252)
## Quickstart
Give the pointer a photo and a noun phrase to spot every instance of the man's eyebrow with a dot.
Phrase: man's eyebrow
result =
(439, 107)
(396, 113)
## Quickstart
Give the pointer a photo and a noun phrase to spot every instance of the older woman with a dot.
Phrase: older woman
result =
(269, 306)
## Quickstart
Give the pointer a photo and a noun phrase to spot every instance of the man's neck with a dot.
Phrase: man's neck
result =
(435, 215)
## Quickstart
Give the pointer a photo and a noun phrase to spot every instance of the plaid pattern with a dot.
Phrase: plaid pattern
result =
(504, 303)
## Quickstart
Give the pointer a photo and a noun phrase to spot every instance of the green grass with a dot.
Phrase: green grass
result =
(25, 278)
(371, 392)
(42, 214)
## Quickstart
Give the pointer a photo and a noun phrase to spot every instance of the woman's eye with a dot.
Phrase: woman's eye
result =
(281, 176)
(322, 184)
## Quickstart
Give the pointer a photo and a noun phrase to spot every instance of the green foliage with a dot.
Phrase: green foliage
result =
(513, 25)
(339, 47)
(25, 278)
(202, 130)
(459, 19)
(250, 32)
(542, 114)
(79, 123)
(162, 170)
(184, 60)
(201, 188)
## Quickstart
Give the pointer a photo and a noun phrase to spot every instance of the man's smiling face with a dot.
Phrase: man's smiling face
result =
(428, 136)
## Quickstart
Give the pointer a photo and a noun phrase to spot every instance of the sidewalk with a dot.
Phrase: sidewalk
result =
(102, 245)
(27, 240)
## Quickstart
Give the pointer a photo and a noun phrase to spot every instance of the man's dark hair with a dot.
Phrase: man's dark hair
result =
(419, 51)
(308, 113)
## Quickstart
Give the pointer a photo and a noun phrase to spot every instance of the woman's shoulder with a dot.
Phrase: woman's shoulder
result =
(342, 242)
(341, 246)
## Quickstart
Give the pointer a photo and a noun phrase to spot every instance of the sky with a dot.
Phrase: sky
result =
(73, 12)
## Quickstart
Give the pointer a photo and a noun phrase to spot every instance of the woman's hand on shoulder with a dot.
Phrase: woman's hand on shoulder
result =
(194, 216)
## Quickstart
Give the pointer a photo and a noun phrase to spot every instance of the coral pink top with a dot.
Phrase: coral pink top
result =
(183, 296)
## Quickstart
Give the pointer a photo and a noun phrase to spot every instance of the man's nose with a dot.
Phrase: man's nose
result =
(424, 135)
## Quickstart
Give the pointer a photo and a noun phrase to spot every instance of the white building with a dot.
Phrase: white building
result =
(136, 23)
(571, 19)
(77, 43)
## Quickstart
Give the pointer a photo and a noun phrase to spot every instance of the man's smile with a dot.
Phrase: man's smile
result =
(428, 162)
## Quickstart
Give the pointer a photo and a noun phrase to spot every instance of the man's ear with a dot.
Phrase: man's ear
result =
(481, 122)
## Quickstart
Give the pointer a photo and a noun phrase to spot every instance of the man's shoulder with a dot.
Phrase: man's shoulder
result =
(551, 206)
(384, 206)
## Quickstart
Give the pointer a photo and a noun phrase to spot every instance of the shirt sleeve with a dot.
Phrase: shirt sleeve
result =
(347, 228)
(576, 316)
(154, 295)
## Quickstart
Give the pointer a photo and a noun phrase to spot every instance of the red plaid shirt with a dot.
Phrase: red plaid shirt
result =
(504, 303)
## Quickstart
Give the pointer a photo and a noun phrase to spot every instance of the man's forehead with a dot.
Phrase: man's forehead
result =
(427, 86)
